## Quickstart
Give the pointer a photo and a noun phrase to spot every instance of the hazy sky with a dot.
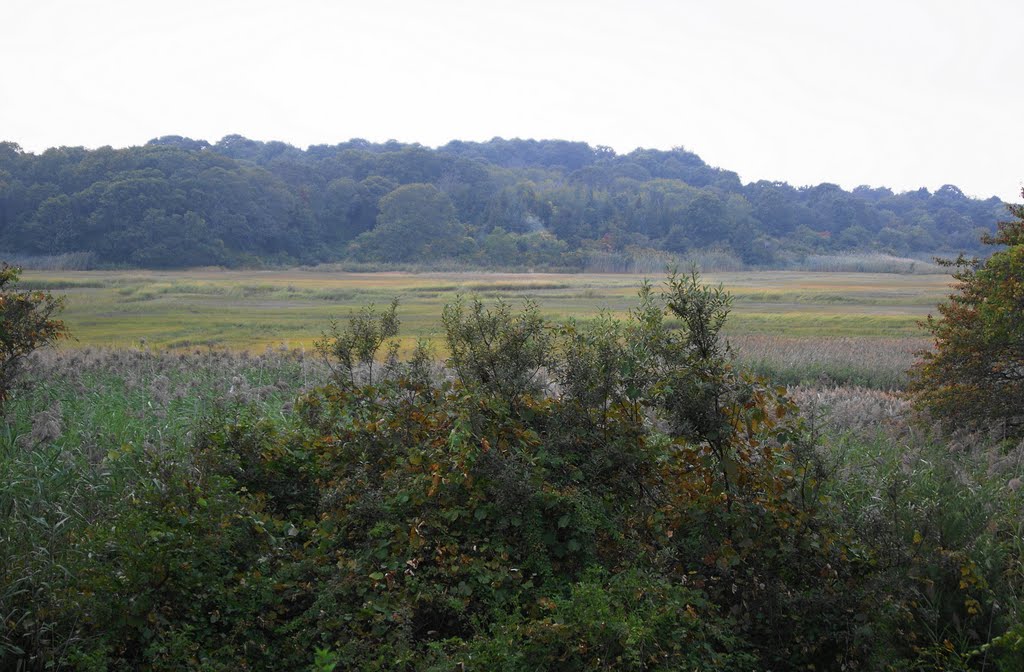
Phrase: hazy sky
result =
(896, 93)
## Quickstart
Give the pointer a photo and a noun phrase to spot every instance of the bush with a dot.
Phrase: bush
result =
(26, 324)
(975, 376)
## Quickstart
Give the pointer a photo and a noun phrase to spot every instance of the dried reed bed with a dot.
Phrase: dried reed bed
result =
(95, 396)
(141, 367)
(879, 363)
(858, 410)
(879, 430)
(866, 262)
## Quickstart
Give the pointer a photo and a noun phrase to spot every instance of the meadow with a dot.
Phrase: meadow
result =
(855, 328)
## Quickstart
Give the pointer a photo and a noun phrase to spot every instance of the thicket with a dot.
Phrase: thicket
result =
(608, 495)
(500, 204)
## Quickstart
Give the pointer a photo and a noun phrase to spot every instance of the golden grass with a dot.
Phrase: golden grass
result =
(253, 309)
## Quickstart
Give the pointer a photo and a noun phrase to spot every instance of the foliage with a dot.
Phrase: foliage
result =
(27, 323)
(975, 376)
(650, 507)
(416, 221)
(629, 621)
(352, 353)
(81, 449)
(943, 532)
(178, 202)
(495, 351)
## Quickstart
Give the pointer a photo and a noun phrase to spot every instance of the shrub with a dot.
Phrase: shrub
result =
(495, 351)
(351, 352)
(975, 376)
(26, 324)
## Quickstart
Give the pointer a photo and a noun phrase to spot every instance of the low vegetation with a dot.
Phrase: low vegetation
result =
(609, 493)
(28, 323)
(795, 327)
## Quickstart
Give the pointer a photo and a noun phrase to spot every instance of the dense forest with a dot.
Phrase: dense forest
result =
(178, 202)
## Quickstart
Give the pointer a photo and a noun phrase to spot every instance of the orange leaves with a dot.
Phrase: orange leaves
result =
(435, 480)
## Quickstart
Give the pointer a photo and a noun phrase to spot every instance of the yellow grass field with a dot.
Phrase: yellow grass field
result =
(255, 309)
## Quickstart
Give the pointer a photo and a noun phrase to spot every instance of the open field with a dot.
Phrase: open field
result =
(796, 326)
(253, 309)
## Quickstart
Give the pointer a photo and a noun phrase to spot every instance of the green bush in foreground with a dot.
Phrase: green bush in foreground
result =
(975, 376)
(606, 496)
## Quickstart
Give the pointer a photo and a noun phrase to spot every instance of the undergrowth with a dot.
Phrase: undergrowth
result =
(616, 494)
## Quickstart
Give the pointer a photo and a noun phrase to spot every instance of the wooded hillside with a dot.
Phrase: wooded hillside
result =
(178, 202)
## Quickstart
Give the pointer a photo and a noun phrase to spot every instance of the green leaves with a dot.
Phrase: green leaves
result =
(496, 352)
(973, 378)
(351, 352)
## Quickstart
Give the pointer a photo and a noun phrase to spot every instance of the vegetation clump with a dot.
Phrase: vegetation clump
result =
(27, 322)
(975, 376)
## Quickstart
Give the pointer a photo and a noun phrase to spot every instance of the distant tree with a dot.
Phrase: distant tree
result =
(26, 324)
(975, 376)
(704, 219)
(335, 209)
(415, 221)
(500, 247)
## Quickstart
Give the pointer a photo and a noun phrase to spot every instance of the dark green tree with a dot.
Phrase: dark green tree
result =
(415, 221)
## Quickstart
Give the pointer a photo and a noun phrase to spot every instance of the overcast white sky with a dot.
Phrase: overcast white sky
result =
(887, 93)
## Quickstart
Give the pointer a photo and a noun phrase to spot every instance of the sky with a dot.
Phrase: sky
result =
(896, 93)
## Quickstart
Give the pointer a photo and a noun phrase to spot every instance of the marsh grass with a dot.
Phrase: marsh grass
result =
(868, 362)
(61, 443)
(253, 309)
(789, 326)
(106, 397)
(866, 262)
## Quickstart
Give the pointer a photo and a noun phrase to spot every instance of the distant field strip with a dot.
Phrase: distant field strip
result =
(253, 309)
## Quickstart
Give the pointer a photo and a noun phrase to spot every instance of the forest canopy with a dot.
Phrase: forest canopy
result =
(179, 202)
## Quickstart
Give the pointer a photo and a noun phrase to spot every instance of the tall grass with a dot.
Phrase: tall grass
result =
(73, 414)
(877, 363)
(866, 262)
(655, 262)
(105, 397)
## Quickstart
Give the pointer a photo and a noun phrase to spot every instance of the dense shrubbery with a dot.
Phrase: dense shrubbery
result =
(610, 495)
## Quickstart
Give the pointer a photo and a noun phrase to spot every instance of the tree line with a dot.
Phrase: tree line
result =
(178, 202)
